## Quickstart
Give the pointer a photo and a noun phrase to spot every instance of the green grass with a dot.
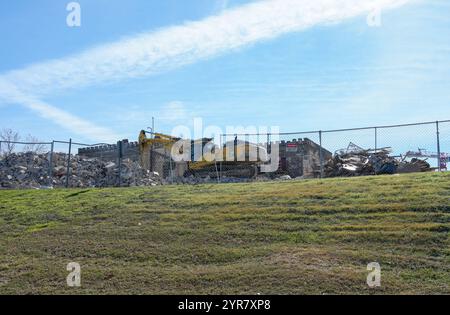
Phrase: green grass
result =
(295, 237)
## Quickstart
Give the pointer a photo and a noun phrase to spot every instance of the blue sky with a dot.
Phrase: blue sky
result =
(337, 74)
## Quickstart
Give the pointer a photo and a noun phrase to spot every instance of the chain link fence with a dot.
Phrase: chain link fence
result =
(72, 164)
(42, 159)
(305, 154)
(299, 154)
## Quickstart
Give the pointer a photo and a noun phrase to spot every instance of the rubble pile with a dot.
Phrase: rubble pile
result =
(30, 170)
(414, 166)
(360, 163)
(355, 161)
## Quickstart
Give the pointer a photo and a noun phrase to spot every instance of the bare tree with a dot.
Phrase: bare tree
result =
(8, 137)
(34, 145)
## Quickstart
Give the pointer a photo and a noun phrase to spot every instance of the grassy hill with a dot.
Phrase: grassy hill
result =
(295, 237)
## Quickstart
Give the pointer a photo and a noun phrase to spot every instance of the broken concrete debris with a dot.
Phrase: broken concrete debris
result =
(30, 170)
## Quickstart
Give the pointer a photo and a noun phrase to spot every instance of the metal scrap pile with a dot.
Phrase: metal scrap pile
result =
(356, 161)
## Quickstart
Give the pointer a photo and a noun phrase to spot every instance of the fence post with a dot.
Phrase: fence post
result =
(50, 164)
(235, 147)
(170, 166)
(119, 156)
(247, 148)
(217, 172)
(438, 146)
(376, 139)
(222, 147)
(321, 154)
(68, 163)
(151, 156)
(257, 147)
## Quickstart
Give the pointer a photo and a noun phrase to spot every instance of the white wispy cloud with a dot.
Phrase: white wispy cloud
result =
(174, 112)
(168, 48)
(64, 119)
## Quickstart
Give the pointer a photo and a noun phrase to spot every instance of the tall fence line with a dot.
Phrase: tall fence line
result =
(430, 139)
(436, 144)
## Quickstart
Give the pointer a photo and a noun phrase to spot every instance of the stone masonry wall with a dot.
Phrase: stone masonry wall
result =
(110, 152)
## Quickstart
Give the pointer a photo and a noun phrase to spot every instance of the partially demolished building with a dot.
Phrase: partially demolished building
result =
(302, 158)
(297, 158)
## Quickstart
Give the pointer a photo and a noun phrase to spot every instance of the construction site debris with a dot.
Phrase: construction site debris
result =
(356, 161)
(30, 170)
(414, 166)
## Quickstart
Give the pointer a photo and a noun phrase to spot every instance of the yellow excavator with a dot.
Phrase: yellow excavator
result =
(146, 145)
(240, 164)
